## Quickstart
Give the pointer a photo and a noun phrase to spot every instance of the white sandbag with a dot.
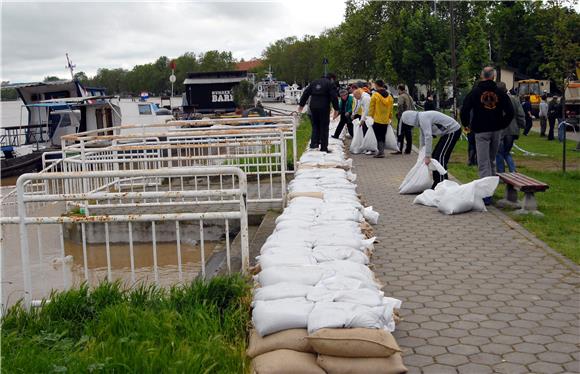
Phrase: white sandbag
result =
(357, 139)
(277, 315)
(391, 139)
(468, 196)
(363, 296)
(344, 315)
(369, 142)
(344, 283)
(282, 290)
(267, 261)
(353, 242)
(289, 250)
(420, 177)
(369, 121)
(431, 197)
(309, 275)
(390, 305)
(349, 269)
(291, 243)
(323, 254)
(370, 215)
(353, 215)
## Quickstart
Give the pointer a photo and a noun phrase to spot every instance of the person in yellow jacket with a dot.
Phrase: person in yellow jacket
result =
(381, 110)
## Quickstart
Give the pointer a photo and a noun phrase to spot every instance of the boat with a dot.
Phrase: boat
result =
(292, 94)
(270, 89)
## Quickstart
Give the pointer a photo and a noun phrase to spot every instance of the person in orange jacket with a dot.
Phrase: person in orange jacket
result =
(381, 110)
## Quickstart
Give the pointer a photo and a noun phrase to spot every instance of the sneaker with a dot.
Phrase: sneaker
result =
(369, 153)
(379, 155)
(487, 201)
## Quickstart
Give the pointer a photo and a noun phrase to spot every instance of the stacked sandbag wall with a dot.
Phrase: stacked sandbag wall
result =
(317, 306)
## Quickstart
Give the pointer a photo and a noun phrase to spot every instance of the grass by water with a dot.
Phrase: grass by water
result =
(198, 328)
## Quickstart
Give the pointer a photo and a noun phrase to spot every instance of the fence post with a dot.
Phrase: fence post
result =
(24, 250)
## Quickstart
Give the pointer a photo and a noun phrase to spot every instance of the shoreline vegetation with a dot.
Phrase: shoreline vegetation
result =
(200, 327)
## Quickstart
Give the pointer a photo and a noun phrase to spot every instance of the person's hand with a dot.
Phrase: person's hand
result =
(334, 116)
(300, 108)
(427, 160)
(348, 114)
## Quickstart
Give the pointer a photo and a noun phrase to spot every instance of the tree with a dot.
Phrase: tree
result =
(81, 77)
(51, 78)
(244, 94)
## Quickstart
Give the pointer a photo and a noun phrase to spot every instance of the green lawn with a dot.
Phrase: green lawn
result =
(302, 139)
(199, 328)
(560, 226)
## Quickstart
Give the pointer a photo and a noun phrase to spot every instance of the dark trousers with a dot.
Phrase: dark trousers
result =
(320, 122)
(471, 150)
(405, 134)
(380, 131)
(543, 122)
(552, 124)
(528, 125)
(442, 152)
(344, 120)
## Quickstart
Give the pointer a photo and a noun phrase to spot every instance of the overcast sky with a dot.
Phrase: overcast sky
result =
(37, 34)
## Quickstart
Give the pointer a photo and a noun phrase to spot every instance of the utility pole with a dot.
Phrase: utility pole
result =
(70, 67)
(453, 58)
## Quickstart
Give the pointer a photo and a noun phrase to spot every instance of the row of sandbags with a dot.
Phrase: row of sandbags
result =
(317, 307)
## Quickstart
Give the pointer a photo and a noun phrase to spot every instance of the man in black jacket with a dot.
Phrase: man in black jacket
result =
(492, 112)
(322, 93)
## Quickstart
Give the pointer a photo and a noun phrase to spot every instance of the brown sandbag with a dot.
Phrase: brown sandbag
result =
(316, 195)
(368, 365)
(294, 339)
(356, 342)
(286, 361)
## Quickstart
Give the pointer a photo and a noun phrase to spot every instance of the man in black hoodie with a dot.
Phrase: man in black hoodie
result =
(322, 93)
(492, 112)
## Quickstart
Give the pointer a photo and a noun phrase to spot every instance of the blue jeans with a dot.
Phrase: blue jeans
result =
(503, 154)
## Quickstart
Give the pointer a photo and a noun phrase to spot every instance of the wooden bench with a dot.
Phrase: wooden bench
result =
(529, 186)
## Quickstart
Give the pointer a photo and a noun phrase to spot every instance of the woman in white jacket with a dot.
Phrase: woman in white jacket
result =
(431, 124)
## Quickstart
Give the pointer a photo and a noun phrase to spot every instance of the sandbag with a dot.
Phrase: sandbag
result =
(313, 194)
(357, 138)
(391, 139)
(369, 142)
(344, 315)
(309, 275)
(364, 296)
(372, 365)
(370, 215)
(420, 177)
(269, 260)
(468, 196)
(431, 197)
(286, 361)
(277, 315)
(356, 342)
(328, 253)
(294, 339)
(281, 290)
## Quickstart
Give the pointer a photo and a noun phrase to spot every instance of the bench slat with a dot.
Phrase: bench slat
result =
(523, 182)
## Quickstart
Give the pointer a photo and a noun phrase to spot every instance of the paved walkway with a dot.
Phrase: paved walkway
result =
(480, 294)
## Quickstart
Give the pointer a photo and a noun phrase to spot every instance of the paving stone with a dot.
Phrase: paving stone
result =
(474, 369)
(555, 357)
(452, 359)
(546, 368)
(529, 348)
(439, 369)
(418, 360)
(520, 358)
(485, 358)
(430, 350)
(496, 348)
(509, 368)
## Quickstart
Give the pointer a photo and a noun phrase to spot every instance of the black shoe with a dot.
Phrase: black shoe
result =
(334, 137)
(397, 153)
(379, 155)
(326, 150)
(407, 152)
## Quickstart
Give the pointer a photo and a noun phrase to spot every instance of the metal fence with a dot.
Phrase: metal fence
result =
(185, 206)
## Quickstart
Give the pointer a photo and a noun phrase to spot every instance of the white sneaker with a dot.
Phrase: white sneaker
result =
(369, 153)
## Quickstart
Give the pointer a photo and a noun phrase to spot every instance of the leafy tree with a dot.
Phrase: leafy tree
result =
(51, 78)
(244, 94)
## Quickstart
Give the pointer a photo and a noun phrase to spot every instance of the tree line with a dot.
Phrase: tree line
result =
(409, 42)
(151, 77)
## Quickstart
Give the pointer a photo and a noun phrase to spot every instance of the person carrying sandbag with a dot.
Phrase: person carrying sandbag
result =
(431, 124)
(345, 112)
(381, 110)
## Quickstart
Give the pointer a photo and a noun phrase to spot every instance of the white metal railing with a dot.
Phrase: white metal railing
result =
(167, 213)
(260, 153)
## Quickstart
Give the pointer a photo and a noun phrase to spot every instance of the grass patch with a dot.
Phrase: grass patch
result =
(560, 203)
(198, 328)
(303, 134)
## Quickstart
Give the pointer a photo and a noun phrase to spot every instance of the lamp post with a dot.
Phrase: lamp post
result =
(453, 58)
